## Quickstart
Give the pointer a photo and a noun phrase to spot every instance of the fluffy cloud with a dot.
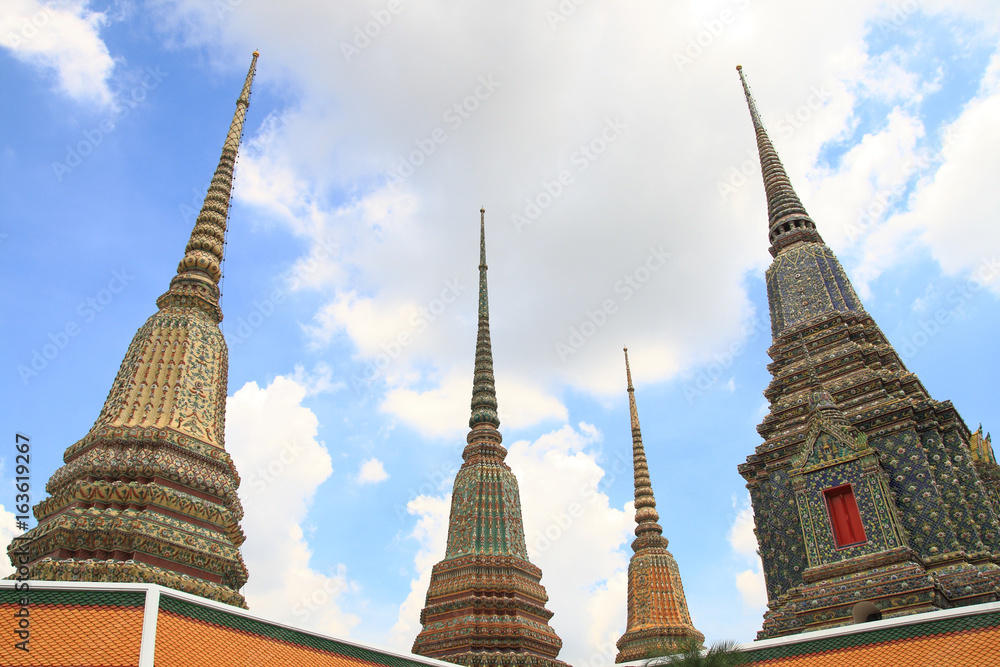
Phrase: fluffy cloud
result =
(372, 472)
(272, 439)
(444, 410)
(431, 533)
(955, 212)
(749, 582)
(576, 537)
(399, 185)
(63, 37)
(572, 533)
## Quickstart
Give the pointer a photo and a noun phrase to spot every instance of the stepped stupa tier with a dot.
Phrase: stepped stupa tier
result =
(871, 499)
(149, 494)
(658, 619)
(485, 603)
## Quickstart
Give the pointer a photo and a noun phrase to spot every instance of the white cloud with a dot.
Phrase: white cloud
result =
(322, 171)
(272, 439)
(576, 537)
(572, 533)
(851, 203)
(63, 37)
(8, 531)
(318, 381)
(954, 213)
(749, 582)
(372, 472)
(444, 410)
(431, 533)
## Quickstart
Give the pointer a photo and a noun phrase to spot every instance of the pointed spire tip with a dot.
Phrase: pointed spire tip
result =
(484, 399)
(628, 371)
(788, 222)
(205, 250)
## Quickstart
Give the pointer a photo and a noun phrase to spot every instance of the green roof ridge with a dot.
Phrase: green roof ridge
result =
(40, 596)
(876, 636)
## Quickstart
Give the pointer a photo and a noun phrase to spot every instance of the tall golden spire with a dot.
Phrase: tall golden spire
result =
(659, 622)
(788, 221)
(200, 270)
(150, 493)
(646, 516)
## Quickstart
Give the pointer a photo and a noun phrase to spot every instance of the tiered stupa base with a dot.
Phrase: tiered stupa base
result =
(130, 571)
(141, 504)
(485, 610)
(659, 622)
(894, 584)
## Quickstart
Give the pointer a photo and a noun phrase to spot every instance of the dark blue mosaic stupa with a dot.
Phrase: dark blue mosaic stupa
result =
(871, 499)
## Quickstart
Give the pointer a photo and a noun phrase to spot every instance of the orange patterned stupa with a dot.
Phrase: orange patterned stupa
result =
(658, 619)
(485, 603)
(149, 494)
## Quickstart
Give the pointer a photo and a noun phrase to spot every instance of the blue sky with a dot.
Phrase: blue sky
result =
(607, 144)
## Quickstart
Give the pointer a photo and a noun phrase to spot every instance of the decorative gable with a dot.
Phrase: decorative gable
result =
(829, 444)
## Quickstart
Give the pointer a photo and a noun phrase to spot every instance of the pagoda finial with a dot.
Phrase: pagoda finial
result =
(484, 395)
(754, 115)
(646, 516)
(204, 252)
(788, 221)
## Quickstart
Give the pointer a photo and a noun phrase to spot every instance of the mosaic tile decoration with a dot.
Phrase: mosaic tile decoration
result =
(844, 410)
(485, 603)
(658, 621)
(149, 494)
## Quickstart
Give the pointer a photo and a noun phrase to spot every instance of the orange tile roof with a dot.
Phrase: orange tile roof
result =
(973, 648)
(187, 642)
(963, 641)
(203, 634)
(93, 629)
(102, 627)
